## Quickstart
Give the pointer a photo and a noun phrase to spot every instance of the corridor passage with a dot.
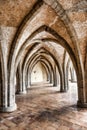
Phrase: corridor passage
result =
(45, 108)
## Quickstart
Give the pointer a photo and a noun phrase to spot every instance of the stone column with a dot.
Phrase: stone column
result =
(65, 77)
(55, 76)
(21, 89)
(73, 75)
(62, 89)
(26, 81)
(82, 92)
(29, 78)
(86, 79)
(8, 90)
(7, 103)
(22, 81)
(82, 85)
(18, 88)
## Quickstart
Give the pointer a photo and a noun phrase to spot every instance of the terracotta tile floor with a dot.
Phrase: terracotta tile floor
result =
(45, 108)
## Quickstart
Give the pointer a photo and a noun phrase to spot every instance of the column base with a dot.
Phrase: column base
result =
(54, 85)
(81, 104)
(23, 92)
(8, 109)
(63, 91)
(73, 81)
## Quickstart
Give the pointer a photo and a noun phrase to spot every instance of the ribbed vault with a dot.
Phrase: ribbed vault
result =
(46, 32)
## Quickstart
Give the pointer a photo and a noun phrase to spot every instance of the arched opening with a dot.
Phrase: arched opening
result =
(28, 32)
(38, 74)
(67, 47)
(36, 55)
(71, 86)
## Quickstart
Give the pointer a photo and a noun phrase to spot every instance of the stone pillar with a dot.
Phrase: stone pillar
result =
(58, 78)
(29, 78)
(86, 79)
(18, 88)
(51, 78)
(55, 76)
(24, 82)
(21, 87)
(62, 85)
(48, 77)
(73, 75)
(65, 77)
(7, 90)
(82, 92)
(62, 89)
(7, 103)
(82, 86)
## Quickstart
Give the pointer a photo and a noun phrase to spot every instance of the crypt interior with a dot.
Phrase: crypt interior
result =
(43, 64)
